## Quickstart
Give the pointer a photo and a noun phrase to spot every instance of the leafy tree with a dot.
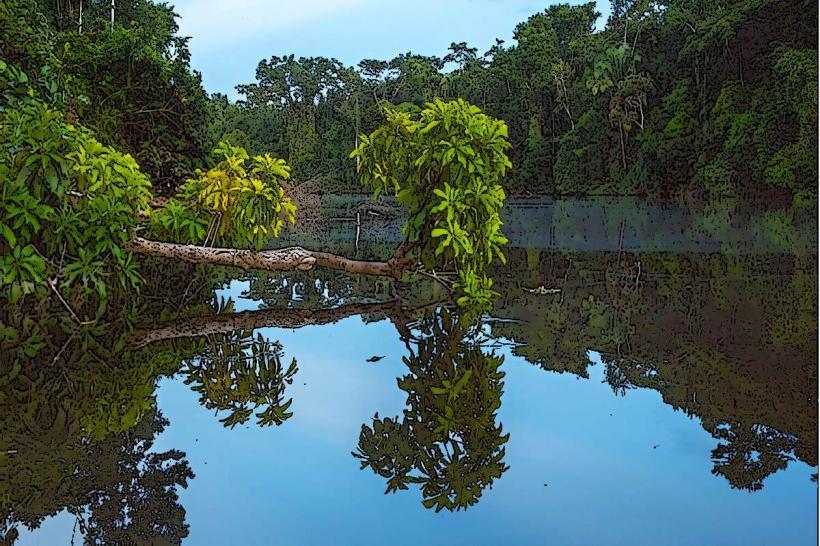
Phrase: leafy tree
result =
(133, 85)
(78, 412)
(240, 205)
(297, 87)
(78, 424)
(68, 205)
(562, 74)
(445, 166)
(615, 72)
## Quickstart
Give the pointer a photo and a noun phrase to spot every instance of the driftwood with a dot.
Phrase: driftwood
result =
(285, 259)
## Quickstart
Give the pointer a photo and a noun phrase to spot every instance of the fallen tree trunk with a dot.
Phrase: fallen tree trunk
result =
(264, 318)
(285, 259)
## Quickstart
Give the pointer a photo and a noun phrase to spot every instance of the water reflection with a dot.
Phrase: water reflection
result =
(78, 420)
(728, 339)
(448, 440)
(117, 489)
(239, 374)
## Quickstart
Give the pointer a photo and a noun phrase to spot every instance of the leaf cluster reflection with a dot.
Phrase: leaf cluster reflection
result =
(447, 440)
(239, 371)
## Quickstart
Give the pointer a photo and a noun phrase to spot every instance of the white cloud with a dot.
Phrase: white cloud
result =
(215, 23)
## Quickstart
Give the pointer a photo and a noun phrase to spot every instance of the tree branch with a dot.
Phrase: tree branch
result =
(285, 259)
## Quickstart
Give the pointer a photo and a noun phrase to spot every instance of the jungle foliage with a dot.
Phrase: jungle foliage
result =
(672, 97)
(638, 315)
(445, 166)
(231, 204)
(92, 415)
(131, 83)
(714, 97)
(95, 115)
(69, 205)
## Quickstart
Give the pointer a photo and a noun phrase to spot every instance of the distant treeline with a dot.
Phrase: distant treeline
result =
(702, 95)
(708, 97)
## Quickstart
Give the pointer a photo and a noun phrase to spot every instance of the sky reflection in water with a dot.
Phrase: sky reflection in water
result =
(298, 484)
(586, 466)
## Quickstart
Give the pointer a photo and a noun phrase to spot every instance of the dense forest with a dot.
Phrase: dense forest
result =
(677, 97)
(705, 97)
(112, 153)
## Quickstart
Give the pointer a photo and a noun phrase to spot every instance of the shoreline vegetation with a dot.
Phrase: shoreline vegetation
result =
(775, 196)
(100, 112)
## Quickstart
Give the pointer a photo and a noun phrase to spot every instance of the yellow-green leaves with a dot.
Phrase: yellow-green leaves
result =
(101, 171)
(476, 289)
(270, 168)
(244, 204)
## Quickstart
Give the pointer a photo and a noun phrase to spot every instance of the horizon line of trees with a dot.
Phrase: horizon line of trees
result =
(710, 98)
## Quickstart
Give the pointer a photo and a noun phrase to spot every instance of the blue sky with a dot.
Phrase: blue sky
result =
(229, 38)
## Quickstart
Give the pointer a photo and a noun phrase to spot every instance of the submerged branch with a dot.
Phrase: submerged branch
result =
(264, 318)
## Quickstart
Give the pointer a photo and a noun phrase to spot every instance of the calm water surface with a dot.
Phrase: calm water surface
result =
(648, 376)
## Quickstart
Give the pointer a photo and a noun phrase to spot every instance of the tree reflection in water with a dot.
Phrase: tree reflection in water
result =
(78, 414)
(238, 374)
(728, 340)
(119, 491)
(77, 423)
(447, 440)
(751, 453)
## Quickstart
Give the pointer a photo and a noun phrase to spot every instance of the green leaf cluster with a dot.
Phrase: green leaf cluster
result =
(446, 166)
(67, 205)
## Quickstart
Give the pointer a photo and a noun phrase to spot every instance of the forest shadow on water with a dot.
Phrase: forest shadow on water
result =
(651, 367)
